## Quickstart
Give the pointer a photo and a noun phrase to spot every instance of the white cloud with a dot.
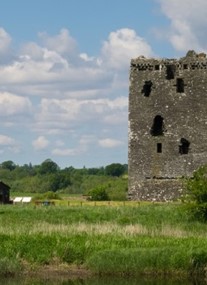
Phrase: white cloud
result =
(109, 143)
(65, 151)
(32, 51)
(66, 114)
(5, 41)
(68, 94)
(11, 104)
(85, 57)
(121, 46)
(40, 143)
(83, 144)
(188, 23)
(48, 69)
(9, 144)
(6, 141)
(62, 43)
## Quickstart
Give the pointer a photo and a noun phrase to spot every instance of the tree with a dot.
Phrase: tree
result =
(9, 164)
(197, 193)
(115, 169)
(48, 167)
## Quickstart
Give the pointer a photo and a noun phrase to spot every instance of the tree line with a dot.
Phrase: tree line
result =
(48, 176)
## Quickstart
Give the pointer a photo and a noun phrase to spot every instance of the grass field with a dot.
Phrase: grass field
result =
(117, 237)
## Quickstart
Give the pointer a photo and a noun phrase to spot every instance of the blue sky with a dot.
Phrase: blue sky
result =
(64, 72)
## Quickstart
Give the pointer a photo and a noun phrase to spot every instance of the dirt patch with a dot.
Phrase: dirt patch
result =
(62, 271)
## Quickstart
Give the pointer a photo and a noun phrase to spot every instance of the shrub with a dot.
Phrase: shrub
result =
(50, 195)
(197, 193)
(98, 194)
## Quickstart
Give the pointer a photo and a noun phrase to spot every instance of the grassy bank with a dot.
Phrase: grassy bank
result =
(131, 239)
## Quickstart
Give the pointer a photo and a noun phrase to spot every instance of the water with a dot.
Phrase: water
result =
(98, 281)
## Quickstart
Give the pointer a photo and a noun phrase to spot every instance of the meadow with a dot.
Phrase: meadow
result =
(121, 238)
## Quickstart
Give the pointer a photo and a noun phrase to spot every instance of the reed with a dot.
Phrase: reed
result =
(124, 239)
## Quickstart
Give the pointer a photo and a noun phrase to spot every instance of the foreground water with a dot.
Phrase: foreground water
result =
(98, 281)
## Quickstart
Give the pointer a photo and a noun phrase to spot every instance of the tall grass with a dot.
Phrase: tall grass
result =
(120, 239)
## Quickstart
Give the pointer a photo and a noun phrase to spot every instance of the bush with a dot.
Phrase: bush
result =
(50, 195)
(98, 194)
(197, 193)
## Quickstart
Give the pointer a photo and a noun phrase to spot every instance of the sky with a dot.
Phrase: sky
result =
(64, 72)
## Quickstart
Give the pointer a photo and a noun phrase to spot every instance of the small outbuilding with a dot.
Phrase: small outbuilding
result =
(4, 193)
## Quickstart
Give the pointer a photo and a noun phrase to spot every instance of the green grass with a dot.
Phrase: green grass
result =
(128, 238)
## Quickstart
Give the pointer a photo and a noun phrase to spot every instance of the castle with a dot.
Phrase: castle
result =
(167, 124)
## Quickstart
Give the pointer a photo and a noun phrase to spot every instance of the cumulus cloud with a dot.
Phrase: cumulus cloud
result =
(73, 112)
(188, 23)
(63, 43)
(5, 41)
(11, 104)
(109, 143)
(47, 69)
(83, 144)
(85, 57)
(40, 143)
(33, 51)
(8, 143)
(68, 92)
(65, 151)
(121, 46)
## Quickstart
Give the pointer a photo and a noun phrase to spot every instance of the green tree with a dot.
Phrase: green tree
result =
(9, 164)
(48, 167)
(197, 193)
(115, 169)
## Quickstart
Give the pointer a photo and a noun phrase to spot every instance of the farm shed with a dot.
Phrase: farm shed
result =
(4, 193)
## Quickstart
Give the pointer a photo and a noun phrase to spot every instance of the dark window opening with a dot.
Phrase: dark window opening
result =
(147, 88)
(157, 67)
(171, 68)
(159, 148)
(180, 85)
(158, 126)
(185, 66)
(184, 146)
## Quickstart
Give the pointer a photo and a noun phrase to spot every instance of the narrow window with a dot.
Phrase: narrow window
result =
(157, 67)
(170, 71)
(158, 126)
(185, 66)
(180, 85)
(159, 148)
(147, 88)
(184, 146)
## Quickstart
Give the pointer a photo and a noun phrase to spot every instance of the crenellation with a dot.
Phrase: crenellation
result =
(179, 66)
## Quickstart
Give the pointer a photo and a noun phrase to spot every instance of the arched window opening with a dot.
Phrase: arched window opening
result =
(184, 146)
(147, 88)
(171, 68)
(158, 126)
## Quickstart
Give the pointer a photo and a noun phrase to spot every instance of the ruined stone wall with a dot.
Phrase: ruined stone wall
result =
(167, 124)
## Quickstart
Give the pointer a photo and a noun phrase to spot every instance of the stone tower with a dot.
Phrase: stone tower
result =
(167, 124)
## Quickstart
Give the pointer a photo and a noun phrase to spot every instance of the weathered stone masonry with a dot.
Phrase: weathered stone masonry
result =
(167, 124)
